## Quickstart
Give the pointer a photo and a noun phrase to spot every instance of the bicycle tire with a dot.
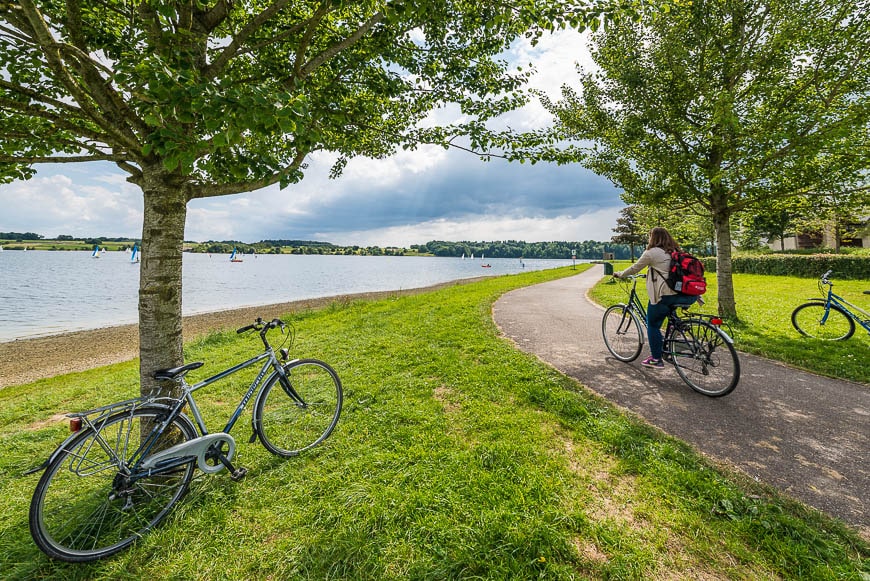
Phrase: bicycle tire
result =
(704, 358)
(83, 510)
(622, 333)
(294, 418)
(807, 320)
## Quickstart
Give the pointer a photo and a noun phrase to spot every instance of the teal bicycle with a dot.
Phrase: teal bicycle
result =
(830, 318)
(126, 464)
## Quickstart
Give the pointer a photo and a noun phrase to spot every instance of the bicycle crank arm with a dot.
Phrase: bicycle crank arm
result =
(198, 448)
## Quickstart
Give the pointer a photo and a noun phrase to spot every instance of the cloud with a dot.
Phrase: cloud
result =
(64, 200)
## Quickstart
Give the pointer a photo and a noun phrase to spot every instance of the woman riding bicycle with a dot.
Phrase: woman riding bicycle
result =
(657, 257)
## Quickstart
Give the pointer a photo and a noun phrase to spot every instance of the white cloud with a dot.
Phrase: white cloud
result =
(592, 226)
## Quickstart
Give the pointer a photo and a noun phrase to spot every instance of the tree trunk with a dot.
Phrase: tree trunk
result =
(722, 225)
(160, 337)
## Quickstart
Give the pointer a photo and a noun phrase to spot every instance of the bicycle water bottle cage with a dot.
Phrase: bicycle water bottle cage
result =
(176, 372)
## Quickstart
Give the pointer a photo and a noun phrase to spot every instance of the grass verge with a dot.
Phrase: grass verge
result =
(457, 457)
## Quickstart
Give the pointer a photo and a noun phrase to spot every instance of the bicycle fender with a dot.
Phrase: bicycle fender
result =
(51, 458)
(727, 337)
(62, 446)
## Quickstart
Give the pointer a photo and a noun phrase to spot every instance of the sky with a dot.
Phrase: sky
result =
(410, 198)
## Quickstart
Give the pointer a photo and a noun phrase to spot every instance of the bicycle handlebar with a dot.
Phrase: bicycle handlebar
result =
(263, 327)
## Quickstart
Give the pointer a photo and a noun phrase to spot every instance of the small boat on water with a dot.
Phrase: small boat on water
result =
(233, 257)
(134, 256)
(486, 265)
(96, 252)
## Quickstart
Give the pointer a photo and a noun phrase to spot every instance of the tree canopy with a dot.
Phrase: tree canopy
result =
(726, 106)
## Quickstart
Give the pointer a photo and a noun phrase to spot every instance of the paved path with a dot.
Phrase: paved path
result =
(809, 436)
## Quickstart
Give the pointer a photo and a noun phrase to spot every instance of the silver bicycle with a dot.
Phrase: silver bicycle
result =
(126, 464)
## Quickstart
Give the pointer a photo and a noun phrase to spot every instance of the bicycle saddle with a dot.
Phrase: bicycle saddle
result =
(175, 372)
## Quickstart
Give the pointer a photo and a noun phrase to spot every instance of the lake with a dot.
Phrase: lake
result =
(47, 292)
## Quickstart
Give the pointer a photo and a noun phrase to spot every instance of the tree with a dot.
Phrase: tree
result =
(201, 99)
(726, 105)
(628, 230)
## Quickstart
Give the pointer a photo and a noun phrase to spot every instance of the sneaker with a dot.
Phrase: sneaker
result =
(652, 362)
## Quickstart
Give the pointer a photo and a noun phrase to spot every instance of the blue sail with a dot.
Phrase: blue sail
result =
(96, 253)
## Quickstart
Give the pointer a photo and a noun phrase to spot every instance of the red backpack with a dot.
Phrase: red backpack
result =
(686, 274)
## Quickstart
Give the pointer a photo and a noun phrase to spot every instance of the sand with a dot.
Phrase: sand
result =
(27, 360)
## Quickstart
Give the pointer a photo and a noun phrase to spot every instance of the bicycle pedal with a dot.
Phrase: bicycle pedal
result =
(238, 474)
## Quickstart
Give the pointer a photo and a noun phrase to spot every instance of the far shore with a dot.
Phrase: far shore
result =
(26, 360)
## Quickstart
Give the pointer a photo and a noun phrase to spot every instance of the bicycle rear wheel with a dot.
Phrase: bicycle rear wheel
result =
(814, 320)
(622, 332)
(302, 413)
(86, 506)
(704, 358)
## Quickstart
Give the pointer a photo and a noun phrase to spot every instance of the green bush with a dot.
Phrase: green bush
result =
(844, 266)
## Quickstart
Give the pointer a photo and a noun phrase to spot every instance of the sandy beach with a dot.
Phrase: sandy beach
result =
(27, 360)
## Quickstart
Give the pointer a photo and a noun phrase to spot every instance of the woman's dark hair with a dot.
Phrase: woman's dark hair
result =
(661, 238)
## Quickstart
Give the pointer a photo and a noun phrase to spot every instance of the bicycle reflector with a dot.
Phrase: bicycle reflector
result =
(75, 424)
(716, 321)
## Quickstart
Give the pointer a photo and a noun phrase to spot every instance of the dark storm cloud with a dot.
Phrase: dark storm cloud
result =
(471, 189)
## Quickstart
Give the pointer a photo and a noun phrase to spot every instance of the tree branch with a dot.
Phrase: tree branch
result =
(217, 67)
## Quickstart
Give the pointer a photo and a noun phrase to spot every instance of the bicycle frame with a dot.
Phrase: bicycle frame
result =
(635, 304)
(837, 300)
(133, 465)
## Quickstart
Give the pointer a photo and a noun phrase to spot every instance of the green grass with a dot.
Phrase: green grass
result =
(457, 457)
(764, 306)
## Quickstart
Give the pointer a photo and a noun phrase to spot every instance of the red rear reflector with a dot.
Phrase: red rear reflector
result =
(716, 321)
(75, 424)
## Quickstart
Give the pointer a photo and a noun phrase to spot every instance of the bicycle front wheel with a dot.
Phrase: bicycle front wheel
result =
(88, 506)
(622, 332)
(298, 414)
(704, 358)
(814, 320)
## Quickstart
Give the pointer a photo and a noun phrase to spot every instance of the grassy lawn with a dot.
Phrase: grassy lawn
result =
(764, 305)
(457, 456)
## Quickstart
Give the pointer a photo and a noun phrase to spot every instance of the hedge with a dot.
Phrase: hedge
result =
(844, 266)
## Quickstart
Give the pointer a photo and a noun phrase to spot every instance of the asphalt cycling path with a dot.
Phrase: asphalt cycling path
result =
(806, 435)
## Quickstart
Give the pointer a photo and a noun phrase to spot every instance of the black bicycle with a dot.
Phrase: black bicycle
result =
(695, 344)
(126, 464)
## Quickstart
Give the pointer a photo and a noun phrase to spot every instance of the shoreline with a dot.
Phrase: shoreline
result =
(26, 360)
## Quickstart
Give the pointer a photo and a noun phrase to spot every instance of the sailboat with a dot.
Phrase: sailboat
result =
(96, 253)
(134, 257)
(233, 257)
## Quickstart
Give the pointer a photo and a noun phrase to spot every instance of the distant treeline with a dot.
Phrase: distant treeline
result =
(500, 249)
(589, 249)
(519, 249)
(20, 236)
(292, 247)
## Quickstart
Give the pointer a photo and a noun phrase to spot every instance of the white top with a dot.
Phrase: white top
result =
(659, 262)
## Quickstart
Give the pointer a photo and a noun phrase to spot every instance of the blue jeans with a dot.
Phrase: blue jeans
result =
(655, 316)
